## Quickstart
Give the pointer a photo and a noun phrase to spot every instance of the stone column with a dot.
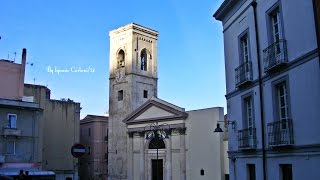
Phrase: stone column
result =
(168, 157)
(182, 154)
(130, 156)
(142, 174)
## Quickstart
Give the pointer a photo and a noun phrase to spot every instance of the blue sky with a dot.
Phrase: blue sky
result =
(75, 33)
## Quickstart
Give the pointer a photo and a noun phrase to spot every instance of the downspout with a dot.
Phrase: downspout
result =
(315, 14)
(254, 5)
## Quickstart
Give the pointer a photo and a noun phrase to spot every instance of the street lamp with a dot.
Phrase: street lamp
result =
(218, 129)
(157, 133)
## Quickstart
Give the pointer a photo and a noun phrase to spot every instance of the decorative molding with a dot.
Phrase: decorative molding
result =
(178, 114)
(144, 39)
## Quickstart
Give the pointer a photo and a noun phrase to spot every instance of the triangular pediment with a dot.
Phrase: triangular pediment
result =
(154, 112)
(155, 109)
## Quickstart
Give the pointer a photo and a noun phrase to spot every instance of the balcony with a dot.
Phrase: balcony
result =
(11, 132)
(243, 74)
(275, 56)
(247, 139)
(280, 133)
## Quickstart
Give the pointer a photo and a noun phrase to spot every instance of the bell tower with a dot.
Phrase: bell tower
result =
(132, 81)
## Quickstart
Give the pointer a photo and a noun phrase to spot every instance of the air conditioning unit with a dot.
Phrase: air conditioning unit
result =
(2, 159)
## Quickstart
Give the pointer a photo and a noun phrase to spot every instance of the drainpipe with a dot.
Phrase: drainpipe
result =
(254, 5)
(315, 14)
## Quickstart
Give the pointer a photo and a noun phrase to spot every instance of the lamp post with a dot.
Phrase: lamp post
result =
(157, 133)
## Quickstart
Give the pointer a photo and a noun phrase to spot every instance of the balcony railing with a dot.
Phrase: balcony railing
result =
(280, 133)
(247, 139)
(243, 73)
(275, 55)
(11, 132)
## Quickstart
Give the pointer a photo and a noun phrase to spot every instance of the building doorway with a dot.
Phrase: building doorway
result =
(157, 169)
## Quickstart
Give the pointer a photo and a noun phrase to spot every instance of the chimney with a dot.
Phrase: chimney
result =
(22, 72)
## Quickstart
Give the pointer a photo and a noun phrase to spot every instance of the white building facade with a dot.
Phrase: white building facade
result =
(187, 150)
(273, 88)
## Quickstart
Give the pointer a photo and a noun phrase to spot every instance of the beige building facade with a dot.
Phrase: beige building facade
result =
(61, 125)
(94, 136)
(12, 77)
(21, 119)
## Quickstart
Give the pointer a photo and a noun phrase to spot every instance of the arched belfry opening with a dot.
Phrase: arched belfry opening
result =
(120, 59)
(144, 60)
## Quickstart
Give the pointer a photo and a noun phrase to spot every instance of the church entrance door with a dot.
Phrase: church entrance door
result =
(157, 169)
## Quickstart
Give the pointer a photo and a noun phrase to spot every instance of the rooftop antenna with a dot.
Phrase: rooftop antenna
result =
(34, 81)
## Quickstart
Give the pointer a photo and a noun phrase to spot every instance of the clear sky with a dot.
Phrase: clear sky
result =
(75, 33)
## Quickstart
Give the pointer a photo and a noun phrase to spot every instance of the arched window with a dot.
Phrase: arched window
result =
(144, 60)
(121, 59)
(156, 144)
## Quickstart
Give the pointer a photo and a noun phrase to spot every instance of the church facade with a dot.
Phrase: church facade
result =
(150, 138)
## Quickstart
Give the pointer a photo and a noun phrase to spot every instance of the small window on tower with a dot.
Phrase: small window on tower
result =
(144, 60)
(145, 94)
(121, 59)
(120, 95)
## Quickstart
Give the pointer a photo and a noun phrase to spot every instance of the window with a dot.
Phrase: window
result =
(120, 95)
(11, 147)
(275, 30)
(202, 172)
(226, 176)
(244, 51)
(244, 70)
(251, 171)
(12, 121)
(121, 59)
(286, 171)
(248, 116)
(282, 101)
(248, 113)
(89, 131)
(144, 60)
(145, 94)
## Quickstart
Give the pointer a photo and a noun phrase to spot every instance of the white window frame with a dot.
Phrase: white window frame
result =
(276, 31)
(249, 113)
(12, 125)
(283, 105)
(244, 45)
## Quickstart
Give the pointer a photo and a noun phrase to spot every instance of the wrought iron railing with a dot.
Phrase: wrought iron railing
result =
(243, 73)
(280, 133)
(275, 55)
(247, 138)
